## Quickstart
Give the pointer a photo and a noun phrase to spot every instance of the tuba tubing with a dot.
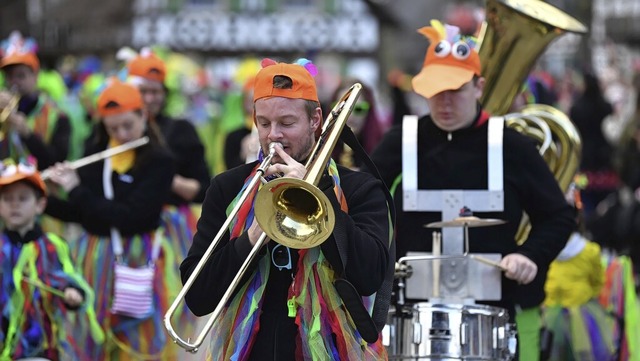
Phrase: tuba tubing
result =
(294, 211)
(513, 37)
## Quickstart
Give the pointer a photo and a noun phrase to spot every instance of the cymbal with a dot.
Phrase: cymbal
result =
(467, 221)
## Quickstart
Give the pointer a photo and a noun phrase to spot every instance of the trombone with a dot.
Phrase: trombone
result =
(303, 215)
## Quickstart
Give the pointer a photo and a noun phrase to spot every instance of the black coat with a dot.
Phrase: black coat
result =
(367, 234)
(188, 152)
(139, 195)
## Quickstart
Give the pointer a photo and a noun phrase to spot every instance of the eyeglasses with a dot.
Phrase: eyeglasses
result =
(281, 257)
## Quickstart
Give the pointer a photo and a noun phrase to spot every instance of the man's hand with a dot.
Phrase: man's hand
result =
(254, 232)
(290, 168)
(519, 268)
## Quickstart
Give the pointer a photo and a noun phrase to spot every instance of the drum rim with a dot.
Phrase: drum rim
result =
(470, 308)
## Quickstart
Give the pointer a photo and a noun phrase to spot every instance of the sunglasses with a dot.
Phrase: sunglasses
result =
(281, 257)
(359, 109)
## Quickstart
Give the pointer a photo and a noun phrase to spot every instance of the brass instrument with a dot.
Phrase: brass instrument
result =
(515, 34)
(107, 153)
(292, 212)
(11, 106)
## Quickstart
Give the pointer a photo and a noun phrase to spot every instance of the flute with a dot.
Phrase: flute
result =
(96, 157)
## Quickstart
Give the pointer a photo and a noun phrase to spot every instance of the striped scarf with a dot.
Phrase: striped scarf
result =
(317, 317)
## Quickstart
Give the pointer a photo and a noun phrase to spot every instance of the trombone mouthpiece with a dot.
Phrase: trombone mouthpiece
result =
(272, 147)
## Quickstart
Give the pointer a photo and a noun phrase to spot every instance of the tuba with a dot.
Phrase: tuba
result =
(514, 35)
(293, 212)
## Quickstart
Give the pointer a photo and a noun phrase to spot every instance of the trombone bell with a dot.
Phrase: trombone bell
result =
(294, 213)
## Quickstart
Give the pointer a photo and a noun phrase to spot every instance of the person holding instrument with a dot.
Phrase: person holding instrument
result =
(458, 155)
(295, 310)
(39, 282)
(36, 127)
(118, 203)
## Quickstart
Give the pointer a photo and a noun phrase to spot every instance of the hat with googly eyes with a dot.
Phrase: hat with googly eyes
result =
(451, 60)
(10, 173)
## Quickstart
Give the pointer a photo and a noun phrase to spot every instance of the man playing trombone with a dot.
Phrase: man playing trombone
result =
(288, 305)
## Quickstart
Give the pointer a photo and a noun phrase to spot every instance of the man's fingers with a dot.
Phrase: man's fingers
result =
(283, 155)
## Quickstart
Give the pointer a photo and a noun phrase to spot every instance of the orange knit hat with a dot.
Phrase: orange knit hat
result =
(450, 62)
(119, 97)
(148, 65)
(301, 74)
(11, 173)
(17, 50)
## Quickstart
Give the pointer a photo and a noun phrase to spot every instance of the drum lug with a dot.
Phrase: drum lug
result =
(512, 341)
(464, 334)
(417, 333)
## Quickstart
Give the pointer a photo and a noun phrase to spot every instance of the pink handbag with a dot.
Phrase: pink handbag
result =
(133, 291)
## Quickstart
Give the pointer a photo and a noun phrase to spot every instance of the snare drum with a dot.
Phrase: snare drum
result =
(449, 332)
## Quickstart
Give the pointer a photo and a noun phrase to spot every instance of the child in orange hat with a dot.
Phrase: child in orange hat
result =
(118, 202)
(42, 129)
(38, 277)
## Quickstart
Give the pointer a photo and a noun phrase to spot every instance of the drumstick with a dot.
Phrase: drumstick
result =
(488, 262)
(43, 287)
(96, 157)
(436, 263)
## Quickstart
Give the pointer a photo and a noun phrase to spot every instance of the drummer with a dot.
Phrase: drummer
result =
(440, 162)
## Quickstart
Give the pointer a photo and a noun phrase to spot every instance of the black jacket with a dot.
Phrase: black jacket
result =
(139, 195)
(188, 152)
(366, 226)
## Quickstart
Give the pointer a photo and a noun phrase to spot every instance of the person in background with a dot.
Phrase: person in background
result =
(295, 311)
(241, 145)
(118, 202)
(364, 122)
(36, 127)
(588, 112)
(39, 281)
(444, 157)
(582, 328)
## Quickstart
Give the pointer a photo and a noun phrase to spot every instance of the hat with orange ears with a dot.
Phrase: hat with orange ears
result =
(10, 173)
(18, 50)
(148, 65)
(301, 74)
(118, 97)
(450, 62)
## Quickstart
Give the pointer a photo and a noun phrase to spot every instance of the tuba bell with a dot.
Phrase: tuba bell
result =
(515, 34)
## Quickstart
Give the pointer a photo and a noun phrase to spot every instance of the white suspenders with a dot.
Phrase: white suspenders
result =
(450, 201)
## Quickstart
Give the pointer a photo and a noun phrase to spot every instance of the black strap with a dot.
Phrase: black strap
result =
(368, 327)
